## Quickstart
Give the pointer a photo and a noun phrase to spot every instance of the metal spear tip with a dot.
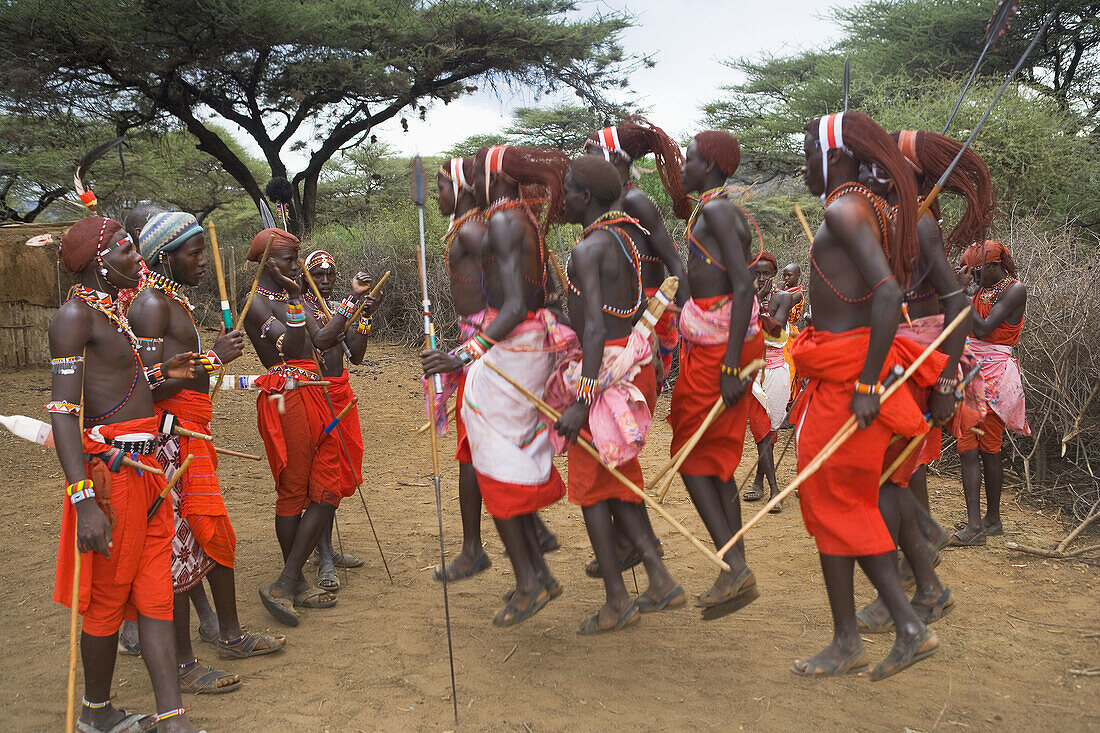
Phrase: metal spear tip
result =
(419, 185)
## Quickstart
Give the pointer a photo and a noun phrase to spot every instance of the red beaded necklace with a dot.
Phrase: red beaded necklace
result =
(474, 214)
(103, 303)
(609, 221)
(881, 211)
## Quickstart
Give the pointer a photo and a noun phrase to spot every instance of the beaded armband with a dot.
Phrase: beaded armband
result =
(65, 365)
(279, 343)
(364, 326)
(346, 307)
(875, 389)
(155, 376)
(79, 491)
(586, 390)
(731, 371)
(946, 385)
(295, 314)
(210, 362)
(63, 407)
(267, 326)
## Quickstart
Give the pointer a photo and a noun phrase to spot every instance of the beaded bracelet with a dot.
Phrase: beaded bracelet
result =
(79, 491)
(364, 326)
(295, 314)
(210, 362)
(279, 343)
(170, 714)
(946, 385)
(586, 390)
(63, 407)
(731, 371)
(875, 389)
(155, 376)
(346, 307)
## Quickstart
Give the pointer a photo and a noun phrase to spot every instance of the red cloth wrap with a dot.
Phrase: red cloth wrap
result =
(840, 501)
(760, 425)
(1003, 334)
(668, 336)
(307, 465)
(462, 452)
(137, 577)
(504, 500)
(990, 441)
(697, 388)
(591, 483)
(201, 500)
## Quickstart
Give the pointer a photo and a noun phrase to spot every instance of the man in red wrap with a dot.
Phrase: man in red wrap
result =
(509, 444)
(720, 333)
(204, 544)
(858, 260)
(791, 277)
(608, 391)
(311, 474)
(621, 145)
(322, 268)
(125, 556)
(998, 320)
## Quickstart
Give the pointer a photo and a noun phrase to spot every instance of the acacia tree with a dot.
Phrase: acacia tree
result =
(309, 77)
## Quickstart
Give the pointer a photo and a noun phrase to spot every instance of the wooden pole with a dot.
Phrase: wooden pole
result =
(227, 316)
(74, 611)
(233, 282)
(324, 307)
(170, 485)
(584, 443)
(846, 431)
(805, 224)
(238, 454)
(673, 466)
(247, 304)
(450, 413)
(363, 304)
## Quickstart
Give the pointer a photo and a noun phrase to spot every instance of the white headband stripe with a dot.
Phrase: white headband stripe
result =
(830, 135)
(494, 163)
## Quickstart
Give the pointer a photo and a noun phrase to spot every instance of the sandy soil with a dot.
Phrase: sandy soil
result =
(379, 659)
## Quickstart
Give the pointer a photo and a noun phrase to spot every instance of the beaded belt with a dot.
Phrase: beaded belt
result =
(286, 370)
(140, 447)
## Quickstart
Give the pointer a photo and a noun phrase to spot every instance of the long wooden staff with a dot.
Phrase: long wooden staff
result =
(169, 486)
(672, 467)
(227, 315)
(321, 300)
(805, 224)
(434, 389)
(1019, 64)
(585, 443)
(74, 612)
(363, 304)
(247, 305)
(846, 431)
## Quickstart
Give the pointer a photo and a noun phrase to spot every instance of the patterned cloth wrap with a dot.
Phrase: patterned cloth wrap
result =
(1004, 387)
(710, 327)
(190, 564)
(619, 418)
(468, 327)
(667, 333)
(509, 444)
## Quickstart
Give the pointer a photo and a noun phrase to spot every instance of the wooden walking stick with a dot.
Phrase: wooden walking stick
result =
(227, 315)
(74, 612)
(247, 304)
(419, 191)
(927, 203)
(450, 414)
(673, 466)
(805, 224)
(846, 431)
(169, 486)
(363, 304)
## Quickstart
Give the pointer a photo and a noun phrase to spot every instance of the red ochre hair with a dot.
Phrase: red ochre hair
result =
(637, 137)
(970, 179)
(535, 168)
(869, 143)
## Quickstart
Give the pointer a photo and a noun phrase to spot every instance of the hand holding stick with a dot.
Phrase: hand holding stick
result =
(323, 303)
(363, 303)
(227, 316)
(247, 304)
(584, 443)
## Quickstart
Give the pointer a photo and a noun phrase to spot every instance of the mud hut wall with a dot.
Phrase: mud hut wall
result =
(28, 294)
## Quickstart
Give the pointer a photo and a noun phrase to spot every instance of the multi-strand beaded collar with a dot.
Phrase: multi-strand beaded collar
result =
(103, 303)
(993, 294)
(610, 222)
(315, 306)
(882, 210)
(172, 289)
(281, 297)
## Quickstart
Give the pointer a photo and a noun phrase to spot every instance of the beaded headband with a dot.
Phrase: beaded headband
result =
(907, 144)
(494, 163)
(320, 259)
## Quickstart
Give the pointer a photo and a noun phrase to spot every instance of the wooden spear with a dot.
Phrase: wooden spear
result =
(805, 224)
(584, 442)
(363, 303)
(323, 303)
(74, 611)
(169, 486)
(247, 305)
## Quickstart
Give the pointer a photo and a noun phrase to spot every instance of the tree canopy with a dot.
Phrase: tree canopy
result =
(313, 77)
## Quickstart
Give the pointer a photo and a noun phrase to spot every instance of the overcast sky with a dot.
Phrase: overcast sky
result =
(690, 40)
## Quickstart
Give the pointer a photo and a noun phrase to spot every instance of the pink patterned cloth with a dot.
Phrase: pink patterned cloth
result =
(924, 331)
(1004, 387)
(711, 327)
(468, 327)
(619, 418)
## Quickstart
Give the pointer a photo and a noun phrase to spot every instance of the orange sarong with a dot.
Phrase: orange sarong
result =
(137, 577)
(840, 501)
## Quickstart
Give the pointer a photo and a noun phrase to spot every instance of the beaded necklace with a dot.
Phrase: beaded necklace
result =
(474, 214)
(992, 295)
(696, 247)
(608, 222)
(315, 306)
(171, 288)
(102, 303)
(271, 294)
(881, 212)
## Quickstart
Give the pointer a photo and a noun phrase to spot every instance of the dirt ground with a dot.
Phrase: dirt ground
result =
(378, 661)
